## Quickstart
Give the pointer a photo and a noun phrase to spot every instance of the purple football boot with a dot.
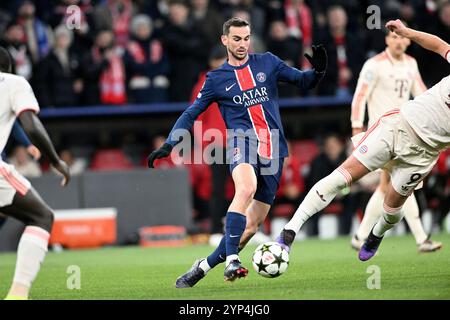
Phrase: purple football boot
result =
(370, 247)
(285, 239)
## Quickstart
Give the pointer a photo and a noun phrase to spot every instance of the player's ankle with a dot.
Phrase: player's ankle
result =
(230, 258)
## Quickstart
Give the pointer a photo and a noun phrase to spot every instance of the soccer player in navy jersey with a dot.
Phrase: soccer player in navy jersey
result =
(245, 87)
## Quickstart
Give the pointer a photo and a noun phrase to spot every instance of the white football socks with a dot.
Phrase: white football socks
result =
(30, 254)
(389, 218)
(411, 211)
(204, 265)
(320, 196)
(371, 215)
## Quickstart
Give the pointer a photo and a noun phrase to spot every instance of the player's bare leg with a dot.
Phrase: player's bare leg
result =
(320, 196)
(256, 213)
(245, 183)
(38, 218)
(392, 214)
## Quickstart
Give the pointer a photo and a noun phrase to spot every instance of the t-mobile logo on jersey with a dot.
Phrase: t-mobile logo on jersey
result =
(252, 97)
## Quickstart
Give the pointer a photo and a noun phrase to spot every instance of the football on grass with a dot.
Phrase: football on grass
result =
(270, 260)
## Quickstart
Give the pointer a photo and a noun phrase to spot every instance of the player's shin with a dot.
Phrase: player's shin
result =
(371, 214)
(30, 255)
(389, 218)
(320, 196)
(218, 256)
(411, 211)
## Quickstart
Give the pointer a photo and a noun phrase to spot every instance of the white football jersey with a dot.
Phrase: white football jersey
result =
(429, 115)
(384, 84)
(16, 96)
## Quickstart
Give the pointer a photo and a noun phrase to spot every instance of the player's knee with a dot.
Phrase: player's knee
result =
(336, 181)
(246, 191)
(251, 228)
(44, 219)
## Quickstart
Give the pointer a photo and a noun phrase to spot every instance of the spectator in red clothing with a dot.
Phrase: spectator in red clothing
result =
(146, 64)
(103, 72)
(299, 22)
(116, 16)
(212, 119)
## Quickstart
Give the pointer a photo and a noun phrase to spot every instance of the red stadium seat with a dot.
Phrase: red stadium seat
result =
(110, 159)
(305, 150)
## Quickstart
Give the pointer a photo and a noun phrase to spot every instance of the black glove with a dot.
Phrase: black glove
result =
(162, 152)
(319, 59)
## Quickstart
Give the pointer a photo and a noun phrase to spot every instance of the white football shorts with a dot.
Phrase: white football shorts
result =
(391, 144)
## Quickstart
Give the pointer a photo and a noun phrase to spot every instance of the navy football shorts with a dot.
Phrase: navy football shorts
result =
(268, 172)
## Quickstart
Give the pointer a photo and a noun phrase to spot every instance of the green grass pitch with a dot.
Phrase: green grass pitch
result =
(319, 269)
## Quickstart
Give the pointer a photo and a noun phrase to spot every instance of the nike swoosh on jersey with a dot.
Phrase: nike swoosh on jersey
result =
(229, 88)
(234, 235)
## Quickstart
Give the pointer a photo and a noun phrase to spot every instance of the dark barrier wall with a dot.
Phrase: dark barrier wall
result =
(142, 198)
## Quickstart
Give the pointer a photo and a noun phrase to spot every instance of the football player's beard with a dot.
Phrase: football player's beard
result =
(237, 57)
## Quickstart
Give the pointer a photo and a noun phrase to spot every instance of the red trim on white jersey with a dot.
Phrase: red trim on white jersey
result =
(35, 109)
(13, 181)
(389, 113)
(246, 82)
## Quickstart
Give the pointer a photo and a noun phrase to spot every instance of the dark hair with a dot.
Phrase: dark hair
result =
(5, 60)
(234, 22)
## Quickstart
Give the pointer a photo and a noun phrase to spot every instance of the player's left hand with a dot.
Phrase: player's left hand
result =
(319, 58)
(162, 152)
(63, 168)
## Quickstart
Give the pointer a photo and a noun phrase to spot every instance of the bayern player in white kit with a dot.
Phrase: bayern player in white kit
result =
(386, 81)
(18, 199)
(407, 140)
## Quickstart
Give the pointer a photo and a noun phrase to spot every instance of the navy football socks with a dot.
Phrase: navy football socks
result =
(234, 228)
(219, 255)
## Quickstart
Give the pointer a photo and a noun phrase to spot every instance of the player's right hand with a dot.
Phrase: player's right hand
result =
(63, 168)
(162, 152)
(398, 27)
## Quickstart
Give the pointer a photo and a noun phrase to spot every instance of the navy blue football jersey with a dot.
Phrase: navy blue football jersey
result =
(247, 96)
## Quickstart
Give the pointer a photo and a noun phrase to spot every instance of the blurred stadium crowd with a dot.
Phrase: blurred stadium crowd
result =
(125, 52)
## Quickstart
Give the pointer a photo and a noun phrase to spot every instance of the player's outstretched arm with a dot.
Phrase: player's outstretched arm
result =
(39, 137)
(185, 121)
(425, 40)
